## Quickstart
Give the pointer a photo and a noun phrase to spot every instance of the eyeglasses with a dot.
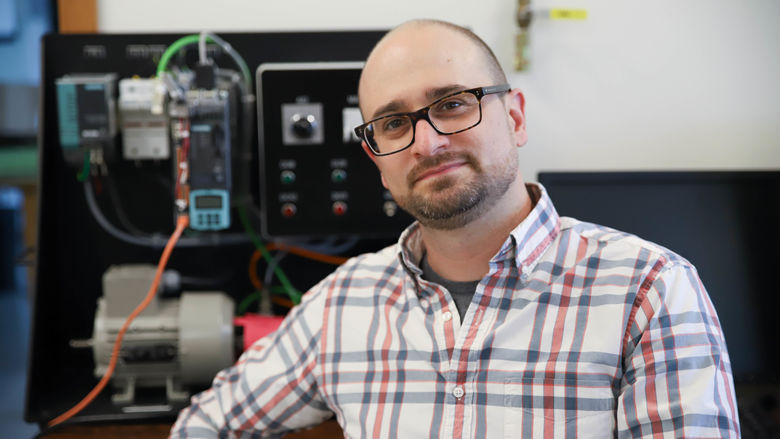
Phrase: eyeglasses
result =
(451, 114)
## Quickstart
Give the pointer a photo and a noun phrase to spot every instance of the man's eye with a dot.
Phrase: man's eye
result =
(394, 124)
(450, 105)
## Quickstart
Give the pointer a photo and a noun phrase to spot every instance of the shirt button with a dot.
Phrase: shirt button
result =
(447, 316)
(458, 392)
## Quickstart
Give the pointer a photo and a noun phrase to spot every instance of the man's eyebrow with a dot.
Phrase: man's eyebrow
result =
(439, 92)
(431, 94)
(390, 107)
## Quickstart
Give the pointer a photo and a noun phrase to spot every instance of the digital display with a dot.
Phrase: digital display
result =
(208, 202)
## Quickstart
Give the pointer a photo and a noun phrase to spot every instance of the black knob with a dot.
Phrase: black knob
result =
(303, 126)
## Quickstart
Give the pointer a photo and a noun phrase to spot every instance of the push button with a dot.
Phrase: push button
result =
(338, 175)
(288, 210)
(287, 177)
(339, 208)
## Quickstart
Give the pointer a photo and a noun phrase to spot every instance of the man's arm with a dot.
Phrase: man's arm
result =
(677, 380)
(271, 390)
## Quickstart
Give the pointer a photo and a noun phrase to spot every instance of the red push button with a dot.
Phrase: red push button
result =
(339, 208)
(289, 209)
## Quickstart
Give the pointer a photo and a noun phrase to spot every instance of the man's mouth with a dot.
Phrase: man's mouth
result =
(438, 170)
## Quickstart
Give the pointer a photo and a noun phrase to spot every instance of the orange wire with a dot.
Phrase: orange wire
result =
(253, 270)
(287, 303)
(256, 256)
(181, 224)
(321, 257)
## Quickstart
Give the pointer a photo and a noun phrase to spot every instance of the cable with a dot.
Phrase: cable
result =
(326, 247)
(248, 300)
(265, 299)
(181, 223)
(201, 41)
(294, 294)
(208, 282)
(259, 286)
(172, 49)
(256, 255)
(269, 270)
(84, 173)
(119, 211)
(308, 254)
(230, 51)
(202, 58)
(155, 240)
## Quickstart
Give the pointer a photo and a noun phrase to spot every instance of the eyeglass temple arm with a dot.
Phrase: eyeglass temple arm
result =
(496, 89)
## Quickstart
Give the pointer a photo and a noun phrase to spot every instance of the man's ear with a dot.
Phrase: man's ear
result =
(373, 159)
(516, 111)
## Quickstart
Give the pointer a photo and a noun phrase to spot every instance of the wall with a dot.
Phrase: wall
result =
(638, 85)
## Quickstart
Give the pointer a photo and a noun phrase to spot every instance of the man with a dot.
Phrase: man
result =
(492, 316)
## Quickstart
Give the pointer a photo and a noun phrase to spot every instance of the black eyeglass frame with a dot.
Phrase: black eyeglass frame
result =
(422, 114)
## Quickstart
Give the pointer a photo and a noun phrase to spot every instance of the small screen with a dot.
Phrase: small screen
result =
(208, 202)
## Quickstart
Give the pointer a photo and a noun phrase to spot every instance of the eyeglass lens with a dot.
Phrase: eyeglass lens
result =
(449, 115)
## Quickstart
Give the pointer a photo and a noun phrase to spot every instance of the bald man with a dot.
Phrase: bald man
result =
(492, 316)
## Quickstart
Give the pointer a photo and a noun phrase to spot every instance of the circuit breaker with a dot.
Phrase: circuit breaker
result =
(315, 179)
(86, 106)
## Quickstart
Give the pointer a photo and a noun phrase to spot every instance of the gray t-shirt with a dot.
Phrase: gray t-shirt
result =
(461, 292)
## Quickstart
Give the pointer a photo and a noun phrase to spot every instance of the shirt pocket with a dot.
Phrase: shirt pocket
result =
(558, 408)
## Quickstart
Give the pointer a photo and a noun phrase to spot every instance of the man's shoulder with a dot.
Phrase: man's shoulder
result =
(613, 242)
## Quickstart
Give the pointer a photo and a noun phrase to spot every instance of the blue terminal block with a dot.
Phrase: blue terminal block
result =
(209, 209)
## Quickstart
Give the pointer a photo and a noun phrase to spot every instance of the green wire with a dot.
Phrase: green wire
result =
(82, 176)
(174, 48)
(195, 39)
(294, 294)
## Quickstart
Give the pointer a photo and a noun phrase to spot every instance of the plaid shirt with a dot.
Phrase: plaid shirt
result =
(577, 330)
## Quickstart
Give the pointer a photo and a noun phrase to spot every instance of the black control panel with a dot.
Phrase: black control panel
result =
(315, 179)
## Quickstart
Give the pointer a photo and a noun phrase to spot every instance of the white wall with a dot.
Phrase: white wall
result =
(657, 85)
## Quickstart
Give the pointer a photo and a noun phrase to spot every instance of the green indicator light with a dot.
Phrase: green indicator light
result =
(287, 177)
(338, 175)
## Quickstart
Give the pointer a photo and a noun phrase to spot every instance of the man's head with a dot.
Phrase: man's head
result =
(445, 181)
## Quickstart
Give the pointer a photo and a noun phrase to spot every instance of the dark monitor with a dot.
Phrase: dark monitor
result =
(726, 223)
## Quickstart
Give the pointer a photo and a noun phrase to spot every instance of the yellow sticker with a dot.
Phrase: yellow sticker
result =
(568, 14)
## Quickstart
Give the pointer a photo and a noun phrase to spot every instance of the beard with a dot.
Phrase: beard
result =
(449, 202)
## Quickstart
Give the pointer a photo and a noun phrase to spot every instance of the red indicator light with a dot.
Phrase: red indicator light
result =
(339, 208)
(288, 210)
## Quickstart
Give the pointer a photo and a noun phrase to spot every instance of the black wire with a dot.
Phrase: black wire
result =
(209, 281)
(265, 297)
(156, 240)
(113, 194)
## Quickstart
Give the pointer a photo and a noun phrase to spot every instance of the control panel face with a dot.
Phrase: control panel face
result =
(315, 179)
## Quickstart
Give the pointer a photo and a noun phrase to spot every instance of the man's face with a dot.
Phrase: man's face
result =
(445, 181)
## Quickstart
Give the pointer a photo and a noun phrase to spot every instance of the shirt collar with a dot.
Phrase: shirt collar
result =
(525, 244)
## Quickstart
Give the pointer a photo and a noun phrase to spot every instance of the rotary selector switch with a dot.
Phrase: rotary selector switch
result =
(303, 126)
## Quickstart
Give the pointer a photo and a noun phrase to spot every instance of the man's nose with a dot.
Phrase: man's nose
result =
(427, 141)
